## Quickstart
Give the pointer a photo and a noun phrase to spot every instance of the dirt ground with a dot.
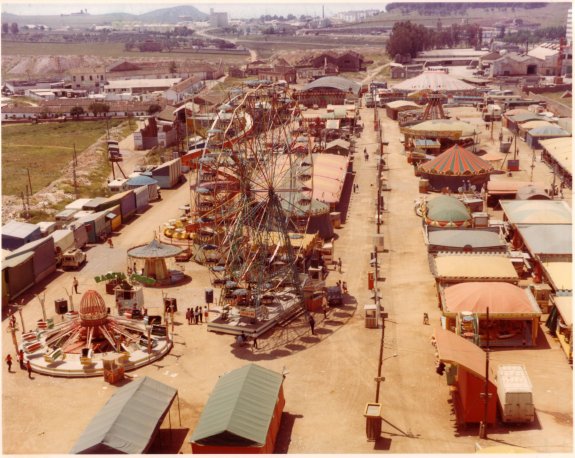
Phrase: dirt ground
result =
(329, 376)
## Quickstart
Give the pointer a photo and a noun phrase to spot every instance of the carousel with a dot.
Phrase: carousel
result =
(78, 345)
(156, 262)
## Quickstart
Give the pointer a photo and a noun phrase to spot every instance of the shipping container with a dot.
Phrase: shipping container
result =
(515, 394)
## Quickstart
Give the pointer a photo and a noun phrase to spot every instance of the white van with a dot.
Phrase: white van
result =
(515, 394)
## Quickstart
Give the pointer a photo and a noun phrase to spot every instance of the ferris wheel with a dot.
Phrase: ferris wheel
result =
(253, 199)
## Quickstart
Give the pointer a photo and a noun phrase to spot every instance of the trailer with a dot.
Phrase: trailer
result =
(142, 198)
(80, 234)
(515, 394)
(63, 241)
(169, 174)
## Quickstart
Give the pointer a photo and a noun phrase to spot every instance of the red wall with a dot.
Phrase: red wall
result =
(470, 388)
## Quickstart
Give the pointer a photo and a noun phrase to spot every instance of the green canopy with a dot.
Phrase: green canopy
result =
(240, 409)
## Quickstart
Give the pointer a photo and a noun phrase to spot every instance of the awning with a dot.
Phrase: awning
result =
(454, 349)
(559, 275)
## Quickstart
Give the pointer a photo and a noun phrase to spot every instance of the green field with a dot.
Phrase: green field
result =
(44, 149)
(105, 50)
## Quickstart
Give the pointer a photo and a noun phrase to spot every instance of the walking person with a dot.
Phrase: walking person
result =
(29, 368)
(311, 322)
(196, 315)
(21, 358)
(75, 285)
(206, 313)
(188, 315)
(9, 362)
(110, 243)
(324, 306)
(200, 315)
(255, 344)
(344, 286)
(339, 264)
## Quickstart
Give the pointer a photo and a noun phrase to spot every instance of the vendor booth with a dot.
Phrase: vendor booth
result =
(464, 364)
(465, 267)
(242, 414)
(513, 313)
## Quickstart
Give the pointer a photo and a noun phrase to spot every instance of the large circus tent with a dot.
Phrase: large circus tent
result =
(456, 168)
(434, 81)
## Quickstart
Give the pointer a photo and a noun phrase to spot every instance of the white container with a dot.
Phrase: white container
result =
(515, 394)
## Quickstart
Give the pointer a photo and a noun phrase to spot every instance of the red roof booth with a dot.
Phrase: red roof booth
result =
(466, 376)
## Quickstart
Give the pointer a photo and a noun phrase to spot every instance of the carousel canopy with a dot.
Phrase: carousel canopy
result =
(456, 161)
(153, 250)
(445, 125)
(141, 180)
(501, 298)
(447, 211)
(435, 81)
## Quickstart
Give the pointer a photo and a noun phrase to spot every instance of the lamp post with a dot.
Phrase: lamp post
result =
(21, 318)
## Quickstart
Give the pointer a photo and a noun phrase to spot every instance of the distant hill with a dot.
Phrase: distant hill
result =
(164, 15)
(174, 14)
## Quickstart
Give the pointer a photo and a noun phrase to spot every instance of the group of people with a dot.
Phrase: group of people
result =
(24, 363)
(196, 315)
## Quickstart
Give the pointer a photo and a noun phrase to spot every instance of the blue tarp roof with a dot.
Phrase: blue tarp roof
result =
(141, 180)
(19, 230)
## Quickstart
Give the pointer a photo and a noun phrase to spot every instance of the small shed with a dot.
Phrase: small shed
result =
(44, 256)
(337, 146)
(243, 413)
(15, 234)
(130, 421)
(467, 377)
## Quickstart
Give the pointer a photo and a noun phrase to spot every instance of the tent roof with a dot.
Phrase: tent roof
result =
(459, 238)
(501, 298)
(240, 408)
(548, 131)
(536, 124)
(338, 142)
(559, 275)
(447, 209)
(435, 81)
(547, 238)
(464, 266)
(531, 191)
(19, 229)
(536, 211)
(565, 306)
(153, 250)
(141, 180)
(456, 161)
(524, 117)
(127, 422)
(337, 82)
(445, 125)
(455, 349)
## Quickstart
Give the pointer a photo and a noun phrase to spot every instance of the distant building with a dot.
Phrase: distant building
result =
(347, 61)
(89, 79)
(549, 54)
(569, 33)
(513, 64)
(355, 16)
(218, 19)
(139, 86)
(184, 89)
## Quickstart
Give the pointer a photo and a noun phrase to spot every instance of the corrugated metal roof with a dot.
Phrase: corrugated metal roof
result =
(18, 229)
(336, 82)
(240, 408)
(127, 422)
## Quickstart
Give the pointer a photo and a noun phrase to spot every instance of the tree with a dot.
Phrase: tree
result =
(76, 112)
(98, 107)
(154, 108)
(408, 38)
(5, 27)
(173, 67)
(14, 28)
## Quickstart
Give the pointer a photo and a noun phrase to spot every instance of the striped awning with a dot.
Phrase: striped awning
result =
(456, 161)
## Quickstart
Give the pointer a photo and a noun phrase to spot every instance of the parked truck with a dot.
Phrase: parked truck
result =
(515, 394)
(73, 259)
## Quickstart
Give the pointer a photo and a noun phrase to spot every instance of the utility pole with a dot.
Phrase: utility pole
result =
(24, 205)
(29, 180)
(74, 164)
(378, 314)
(483, 424)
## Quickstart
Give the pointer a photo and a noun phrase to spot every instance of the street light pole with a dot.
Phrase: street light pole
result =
(483, 424)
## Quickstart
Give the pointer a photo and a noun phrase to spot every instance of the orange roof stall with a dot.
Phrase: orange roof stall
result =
(468, 384)
(243, 413)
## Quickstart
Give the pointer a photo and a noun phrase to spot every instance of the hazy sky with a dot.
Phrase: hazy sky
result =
(238, 9)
